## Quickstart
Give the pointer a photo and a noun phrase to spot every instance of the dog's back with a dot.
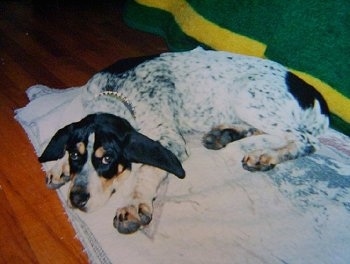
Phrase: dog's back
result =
(203, 89)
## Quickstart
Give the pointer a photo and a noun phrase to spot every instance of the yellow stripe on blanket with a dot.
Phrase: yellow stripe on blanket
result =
(337, 103)
(205, 31)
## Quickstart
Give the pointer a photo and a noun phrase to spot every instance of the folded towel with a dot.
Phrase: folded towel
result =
(297, 213)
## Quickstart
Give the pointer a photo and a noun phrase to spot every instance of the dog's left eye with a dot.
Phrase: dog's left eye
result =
(106, 160)
(74, 155)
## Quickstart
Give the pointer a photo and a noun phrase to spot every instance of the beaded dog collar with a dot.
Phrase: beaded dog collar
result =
(121, 98)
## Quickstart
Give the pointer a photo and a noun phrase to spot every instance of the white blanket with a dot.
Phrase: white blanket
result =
(296, 213)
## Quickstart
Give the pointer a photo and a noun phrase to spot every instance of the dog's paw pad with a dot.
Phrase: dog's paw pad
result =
(127, 221)
(218, 138)
(258, 162)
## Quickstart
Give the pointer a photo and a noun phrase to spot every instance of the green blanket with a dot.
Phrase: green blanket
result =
(310, 37)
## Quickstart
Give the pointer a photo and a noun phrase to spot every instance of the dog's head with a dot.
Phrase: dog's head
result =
(97, 152)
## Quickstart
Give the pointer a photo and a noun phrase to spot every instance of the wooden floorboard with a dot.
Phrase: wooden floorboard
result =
(59, 44)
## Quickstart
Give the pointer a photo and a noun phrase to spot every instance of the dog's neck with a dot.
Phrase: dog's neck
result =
(121, 98)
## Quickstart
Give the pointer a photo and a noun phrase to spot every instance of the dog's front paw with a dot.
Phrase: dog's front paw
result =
(259, 161)
(59, 173)
(54, 181)
(129, 219)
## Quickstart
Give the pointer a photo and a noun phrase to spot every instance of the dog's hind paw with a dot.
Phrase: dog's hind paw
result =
(259, 161)
(130, 219)
(218, 138)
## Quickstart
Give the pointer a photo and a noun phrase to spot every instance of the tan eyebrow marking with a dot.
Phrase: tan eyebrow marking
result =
(100, 152)
(81, 147)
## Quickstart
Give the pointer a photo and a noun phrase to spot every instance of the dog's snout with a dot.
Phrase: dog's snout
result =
(79, 198)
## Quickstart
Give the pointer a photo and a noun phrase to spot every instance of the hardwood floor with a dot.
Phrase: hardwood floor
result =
(58, 44)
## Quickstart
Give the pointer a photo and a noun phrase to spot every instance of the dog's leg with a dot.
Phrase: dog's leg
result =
(294, 145)
(266, 159)
(139, 211)
(297, 145)
(220, 136)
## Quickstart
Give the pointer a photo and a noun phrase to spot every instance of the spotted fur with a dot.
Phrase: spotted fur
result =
(223, 96)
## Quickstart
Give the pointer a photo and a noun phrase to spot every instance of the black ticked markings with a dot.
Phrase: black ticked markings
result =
(304, 93)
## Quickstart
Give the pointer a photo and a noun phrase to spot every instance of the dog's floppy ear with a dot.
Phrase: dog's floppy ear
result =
(57, 145)
(141, 149)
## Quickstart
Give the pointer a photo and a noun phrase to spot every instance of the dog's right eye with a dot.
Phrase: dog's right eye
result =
(74, 155)
(106, 160)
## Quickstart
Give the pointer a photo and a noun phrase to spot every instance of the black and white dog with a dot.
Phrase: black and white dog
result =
(156, 101)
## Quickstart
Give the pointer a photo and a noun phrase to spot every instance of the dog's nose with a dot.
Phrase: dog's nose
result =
(79, 198)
